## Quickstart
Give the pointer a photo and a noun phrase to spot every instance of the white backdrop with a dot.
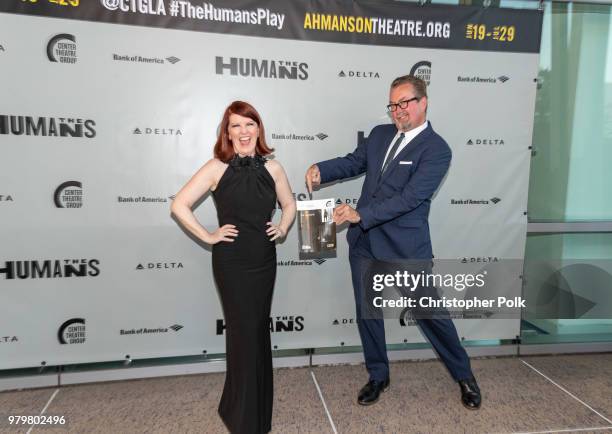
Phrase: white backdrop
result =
(155, 283)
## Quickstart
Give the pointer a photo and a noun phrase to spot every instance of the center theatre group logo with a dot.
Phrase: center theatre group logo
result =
(72, 332)
(47, 127)
(494, 201)
(150, 60)
(148, 331)
(422, 70)
(8, 339)
(262, 68)
(62, 48)
(148, 131)
(277, 324)
(69, 195)
(50, 269)
(6, 198)
(358, 74)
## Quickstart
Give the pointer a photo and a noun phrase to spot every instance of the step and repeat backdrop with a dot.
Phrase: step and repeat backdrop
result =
(108, 107)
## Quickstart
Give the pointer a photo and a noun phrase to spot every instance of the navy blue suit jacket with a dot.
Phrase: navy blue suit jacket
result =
(394, 207)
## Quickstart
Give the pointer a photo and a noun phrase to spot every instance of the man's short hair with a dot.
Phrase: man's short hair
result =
(419, 85)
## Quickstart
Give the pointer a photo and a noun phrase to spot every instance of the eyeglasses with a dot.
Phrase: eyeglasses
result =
(402, 104)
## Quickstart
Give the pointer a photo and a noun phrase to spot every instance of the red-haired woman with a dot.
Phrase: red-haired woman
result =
(245, 186)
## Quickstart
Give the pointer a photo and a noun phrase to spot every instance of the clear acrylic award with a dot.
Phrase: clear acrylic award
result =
(317, 230)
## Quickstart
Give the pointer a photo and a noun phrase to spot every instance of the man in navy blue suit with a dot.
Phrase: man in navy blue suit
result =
(404, 163)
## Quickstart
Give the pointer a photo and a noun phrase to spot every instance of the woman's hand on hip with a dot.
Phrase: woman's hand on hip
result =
(224, 233)
(275, 231)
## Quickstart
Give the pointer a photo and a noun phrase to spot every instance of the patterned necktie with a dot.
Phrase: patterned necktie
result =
(391, 154)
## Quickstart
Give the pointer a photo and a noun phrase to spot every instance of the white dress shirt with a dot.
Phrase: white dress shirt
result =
(408, 136)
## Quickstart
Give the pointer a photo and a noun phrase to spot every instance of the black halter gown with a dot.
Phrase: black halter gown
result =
(244, 271)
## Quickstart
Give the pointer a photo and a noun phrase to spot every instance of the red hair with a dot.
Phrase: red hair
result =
(224, 150)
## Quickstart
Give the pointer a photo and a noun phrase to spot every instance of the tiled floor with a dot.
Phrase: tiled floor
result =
(528, 394)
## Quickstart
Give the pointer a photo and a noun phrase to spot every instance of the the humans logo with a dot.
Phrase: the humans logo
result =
(279, 69)
(69, 195)
(62, 48)
(50, 269)
(42, 126)
(422, 70)
(277, 324)
(72, 331)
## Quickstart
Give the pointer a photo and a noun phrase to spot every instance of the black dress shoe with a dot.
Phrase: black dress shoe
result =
(370, 393)
(470, 393)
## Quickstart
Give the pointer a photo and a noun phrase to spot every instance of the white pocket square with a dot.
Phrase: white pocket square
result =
(405, 162)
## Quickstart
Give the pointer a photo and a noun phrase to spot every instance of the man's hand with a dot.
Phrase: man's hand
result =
(313, 177)
(345, 213)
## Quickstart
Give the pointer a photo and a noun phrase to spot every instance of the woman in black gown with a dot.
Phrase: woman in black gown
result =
(245, 186)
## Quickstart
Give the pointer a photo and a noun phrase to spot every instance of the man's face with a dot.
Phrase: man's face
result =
(413, 115)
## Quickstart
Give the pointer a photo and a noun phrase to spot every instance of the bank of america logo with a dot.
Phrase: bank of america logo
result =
(176, 327)
(319, 261)
(173, 59)
(503, 78)
(495, 200)
(322, 136)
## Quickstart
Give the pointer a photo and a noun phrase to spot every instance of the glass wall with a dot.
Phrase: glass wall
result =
(571, 273)
(570, 175)
(568, 288)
